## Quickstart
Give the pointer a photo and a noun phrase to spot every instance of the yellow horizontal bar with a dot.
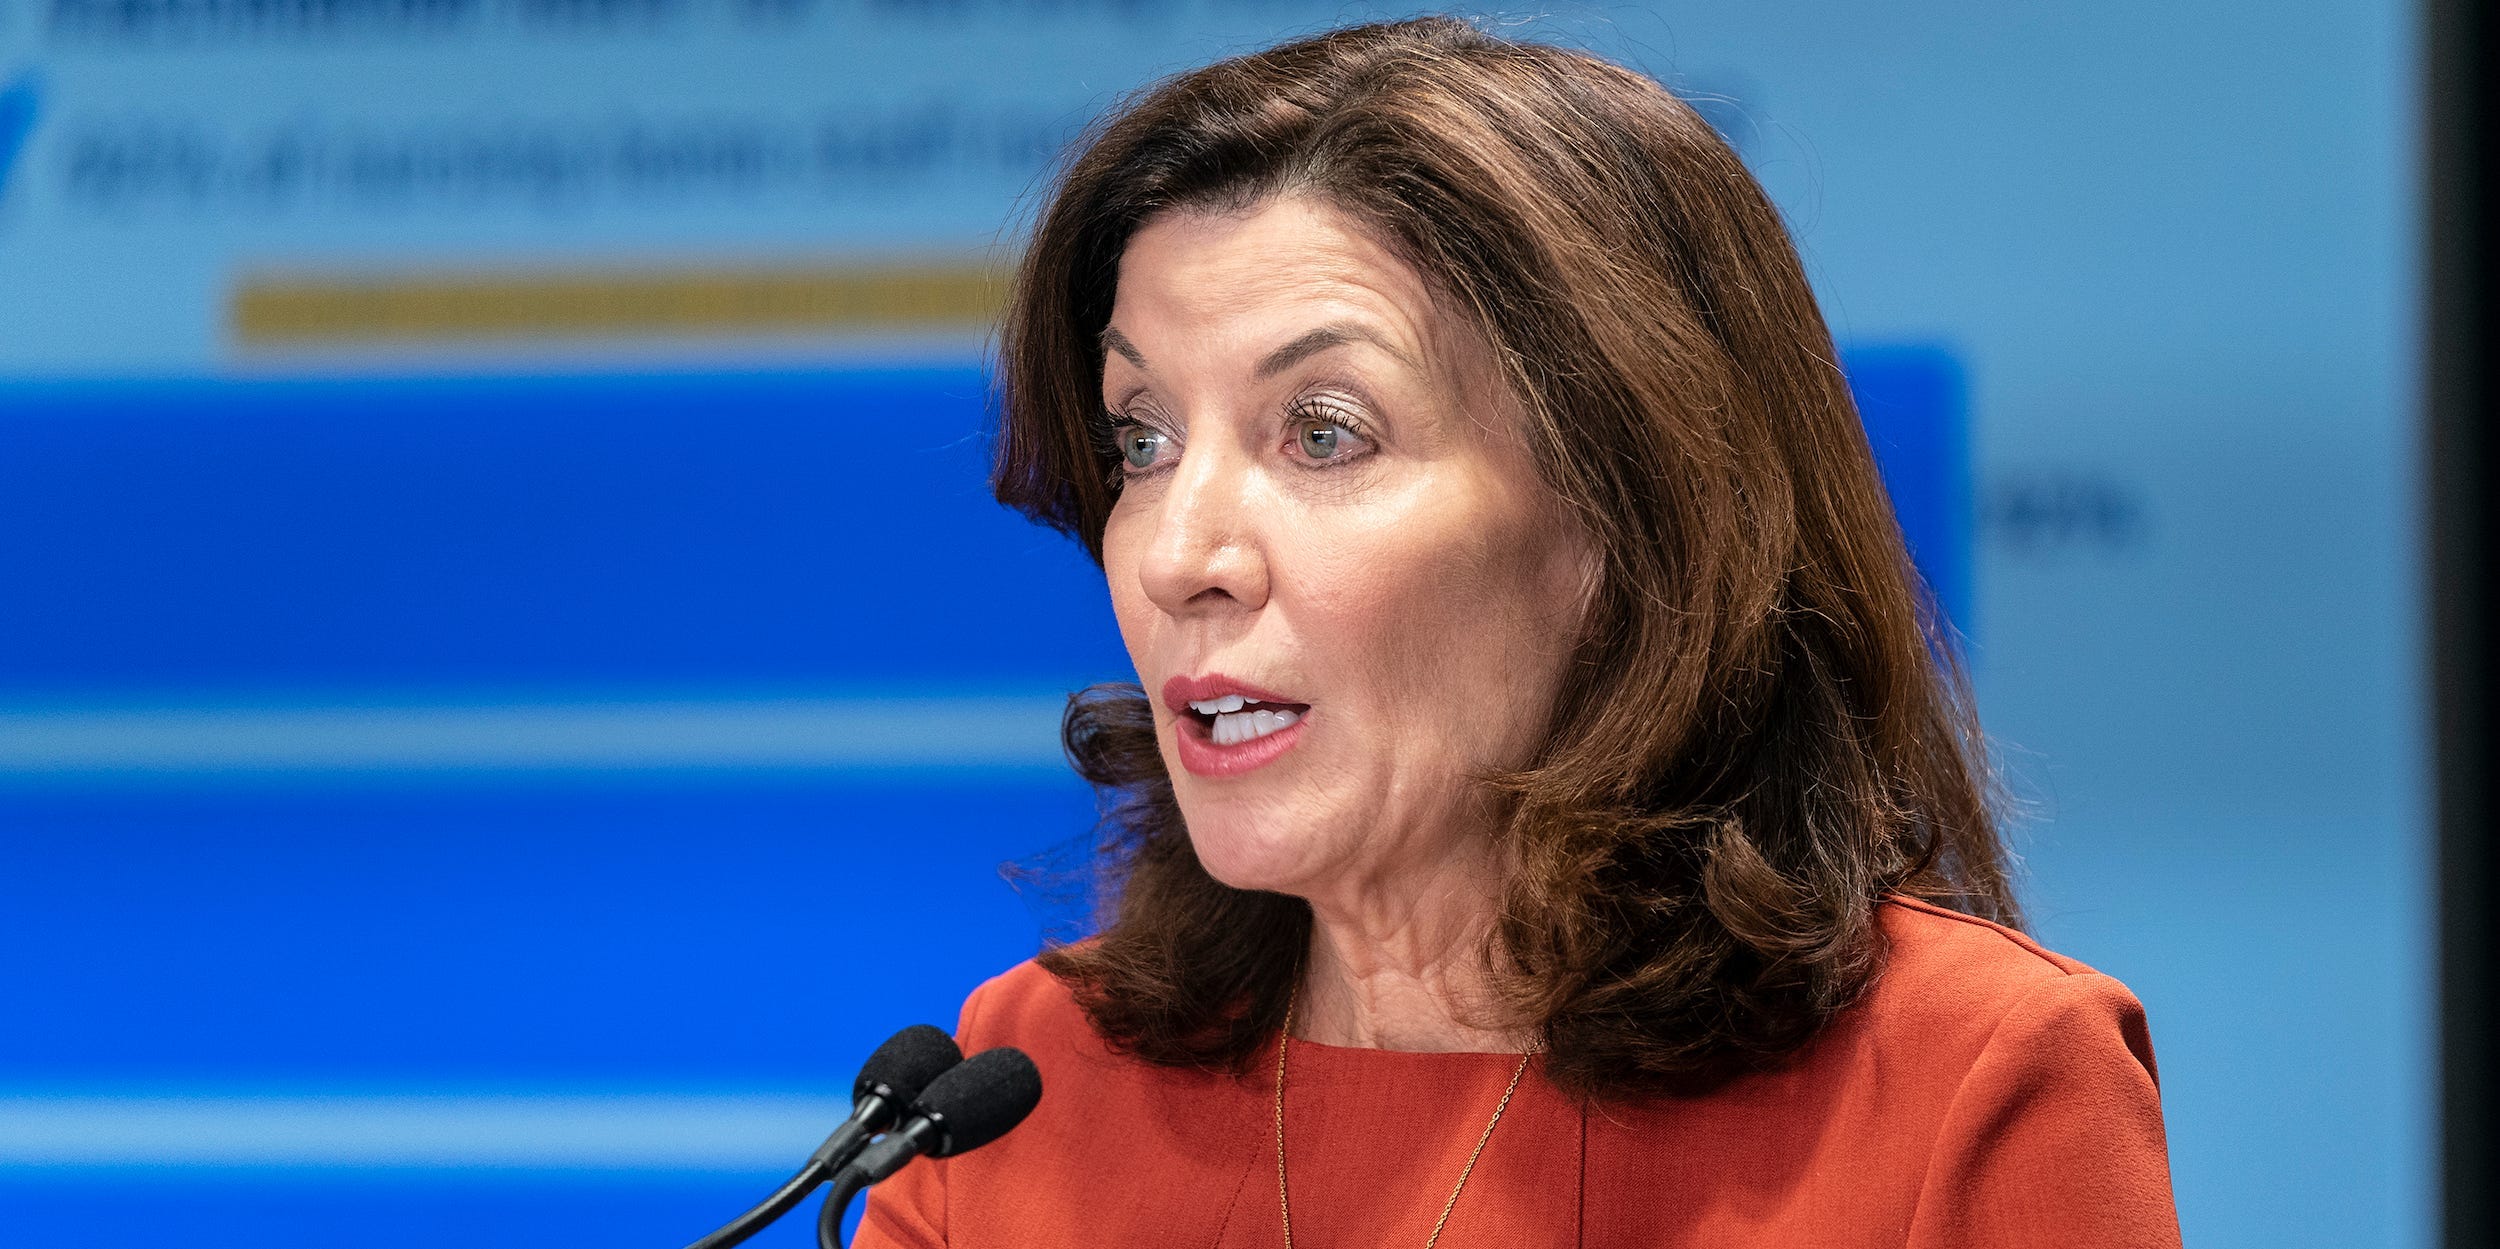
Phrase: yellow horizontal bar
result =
(300, 311)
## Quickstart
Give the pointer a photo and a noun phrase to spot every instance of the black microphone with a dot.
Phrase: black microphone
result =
(966, 1108)
(889, 1081)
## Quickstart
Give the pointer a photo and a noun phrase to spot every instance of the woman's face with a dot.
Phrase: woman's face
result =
(1343, 585)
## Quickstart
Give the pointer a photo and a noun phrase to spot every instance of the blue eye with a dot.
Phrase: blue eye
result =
(1317, 438)
(1140, 447)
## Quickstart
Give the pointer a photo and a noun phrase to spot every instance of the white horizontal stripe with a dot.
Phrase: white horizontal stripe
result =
(774, 733)
(572, 1133)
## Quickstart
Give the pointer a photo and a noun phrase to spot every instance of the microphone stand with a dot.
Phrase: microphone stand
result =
(836, 1152)
(893, 1078)
(790, 1194)
(850, 1183)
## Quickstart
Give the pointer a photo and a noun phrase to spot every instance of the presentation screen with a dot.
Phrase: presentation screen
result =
(512, 680)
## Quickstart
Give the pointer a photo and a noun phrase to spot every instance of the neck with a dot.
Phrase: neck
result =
(1404, 968)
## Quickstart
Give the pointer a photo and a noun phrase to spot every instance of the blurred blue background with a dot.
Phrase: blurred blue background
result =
(499, 608)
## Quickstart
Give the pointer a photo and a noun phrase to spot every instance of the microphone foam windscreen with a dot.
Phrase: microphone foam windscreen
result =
(977, 1102)
(907, 1062)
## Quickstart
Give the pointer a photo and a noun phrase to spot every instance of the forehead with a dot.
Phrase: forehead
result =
(1248, 275)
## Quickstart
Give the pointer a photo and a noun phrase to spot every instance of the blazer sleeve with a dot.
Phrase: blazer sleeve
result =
(909, 1210)
(2054, 1138)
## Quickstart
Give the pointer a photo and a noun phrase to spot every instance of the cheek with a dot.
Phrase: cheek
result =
(1469, 611)
(1419, 602)
(1122, 547)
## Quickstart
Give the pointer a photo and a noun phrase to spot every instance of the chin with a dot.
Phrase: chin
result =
(1249, 850)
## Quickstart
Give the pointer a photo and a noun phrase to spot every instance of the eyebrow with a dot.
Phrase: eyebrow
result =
(1310, 343)
(1114, 340)
(1326, 337)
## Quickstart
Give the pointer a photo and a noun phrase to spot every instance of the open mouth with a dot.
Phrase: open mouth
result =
(1232, 719)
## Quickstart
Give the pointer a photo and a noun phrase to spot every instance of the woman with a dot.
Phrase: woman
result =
(1545, 819)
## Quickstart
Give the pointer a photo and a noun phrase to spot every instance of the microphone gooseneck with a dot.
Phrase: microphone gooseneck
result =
(964, 1109)
(891, 1080)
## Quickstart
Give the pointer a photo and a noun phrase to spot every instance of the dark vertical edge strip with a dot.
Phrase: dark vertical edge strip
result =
(2459, 376)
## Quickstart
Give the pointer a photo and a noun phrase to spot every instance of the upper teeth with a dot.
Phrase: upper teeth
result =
(1233, 724)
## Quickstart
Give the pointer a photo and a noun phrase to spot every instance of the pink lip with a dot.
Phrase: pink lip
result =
(1179, 692)
(1199, 753)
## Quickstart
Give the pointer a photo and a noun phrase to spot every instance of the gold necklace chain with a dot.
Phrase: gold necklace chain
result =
(1284, 1204)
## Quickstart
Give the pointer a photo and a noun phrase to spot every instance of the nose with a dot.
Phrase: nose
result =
(1206, 556)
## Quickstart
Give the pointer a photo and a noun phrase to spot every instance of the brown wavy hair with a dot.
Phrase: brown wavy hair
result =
(1764, 732)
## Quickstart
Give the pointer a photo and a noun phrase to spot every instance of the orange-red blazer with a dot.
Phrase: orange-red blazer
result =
(1986, 1094)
